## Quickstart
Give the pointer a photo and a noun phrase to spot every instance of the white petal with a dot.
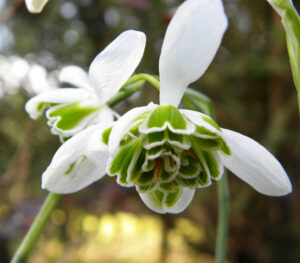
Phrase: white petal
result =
(79, 162)
(67, 95)
(255, 165)
(35, 6)
(106, 114)
(191, 42)
(75, 76)
(122, 126)
(115, 64)
(183, 202)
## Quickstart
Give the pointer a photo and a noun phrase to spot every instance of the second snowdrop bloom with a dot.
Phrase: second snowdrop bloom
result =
(165, 152)
(70, 110)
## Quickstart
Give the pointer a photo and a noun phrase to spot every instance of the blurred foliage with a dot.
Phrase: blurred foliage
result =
(251, 85)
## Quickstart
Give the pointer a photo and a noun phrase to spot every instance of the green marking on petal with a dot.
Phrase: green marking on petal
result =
(166, 113)
(191, 170)
(121, 162)
(70, 115)
(172, 198)
(211, 122)
(191, 183)
(166, 176)
(136, 170)
(43, 105)
(143, 116)
(212, 164)
(203, 178)
(225, 149)
(206, 144)
(75, 164)
(146, 178)
(169, 187)
(157, 197)
(145, 188)
(204, 132)
(105, 135)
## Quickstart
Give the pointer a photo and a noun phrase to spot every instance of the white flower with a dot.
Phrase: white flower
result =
(73, 109)
(35, 6)
(81, 160)
(167, 153)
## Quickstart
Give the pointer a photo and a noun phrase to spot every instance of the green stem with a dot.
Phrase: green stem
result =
(36, 228)
(151, 79)
(223, 219)
(197, 101)
(131, 86)
(125, 92)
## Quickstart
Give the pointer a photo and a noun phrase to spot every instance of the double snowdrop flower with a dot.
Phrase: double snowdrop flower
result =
(70, 110)
(166, 152)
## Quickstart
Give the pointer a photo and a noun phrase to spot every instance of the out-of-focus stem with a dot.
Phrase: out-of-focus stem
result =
(36, 228)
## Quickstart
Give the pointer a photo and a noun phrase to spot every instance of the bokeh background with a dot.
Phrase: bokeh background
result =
(251, 85)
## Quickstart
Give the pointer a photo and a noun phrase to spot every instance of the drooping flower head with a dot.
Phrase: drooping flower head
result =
(165, 152)
(72, 109)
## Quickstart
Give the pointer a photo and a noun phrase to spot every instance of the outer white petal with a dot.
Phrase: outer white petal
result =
(255, 165)
(86, 153)
(122, 126)
(75, 76)
(184, 200)
(35, 6)
(106, 114)
(115, 64)
(67, 95)
(191, 42)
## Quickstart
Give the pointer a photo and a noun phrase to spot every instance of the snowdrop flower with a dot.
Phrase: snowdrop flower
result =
(165, 152)
(82, 159)
(35, 6)
(72, 109)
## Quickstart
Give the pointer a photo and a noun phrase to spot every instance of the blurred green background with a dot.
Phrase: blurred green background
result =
(251, 85)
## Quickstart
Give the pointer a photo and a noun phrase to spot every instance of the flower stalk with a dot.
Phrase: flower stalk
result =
(197, 101)
(52, 199)
(36, 228)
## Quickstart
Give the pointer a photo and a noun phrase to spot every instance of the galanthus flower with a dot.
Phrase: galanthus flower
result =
(35, 6)
(167, 153)
(72, 109)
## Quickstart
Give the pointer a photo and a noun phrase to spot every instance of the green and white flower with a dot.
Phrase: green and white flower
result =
(167, 153)
(72, 109)
(35, 6)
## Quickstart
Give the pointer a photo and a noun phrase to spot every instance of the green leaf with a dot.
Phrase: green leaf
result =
(291, 22)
